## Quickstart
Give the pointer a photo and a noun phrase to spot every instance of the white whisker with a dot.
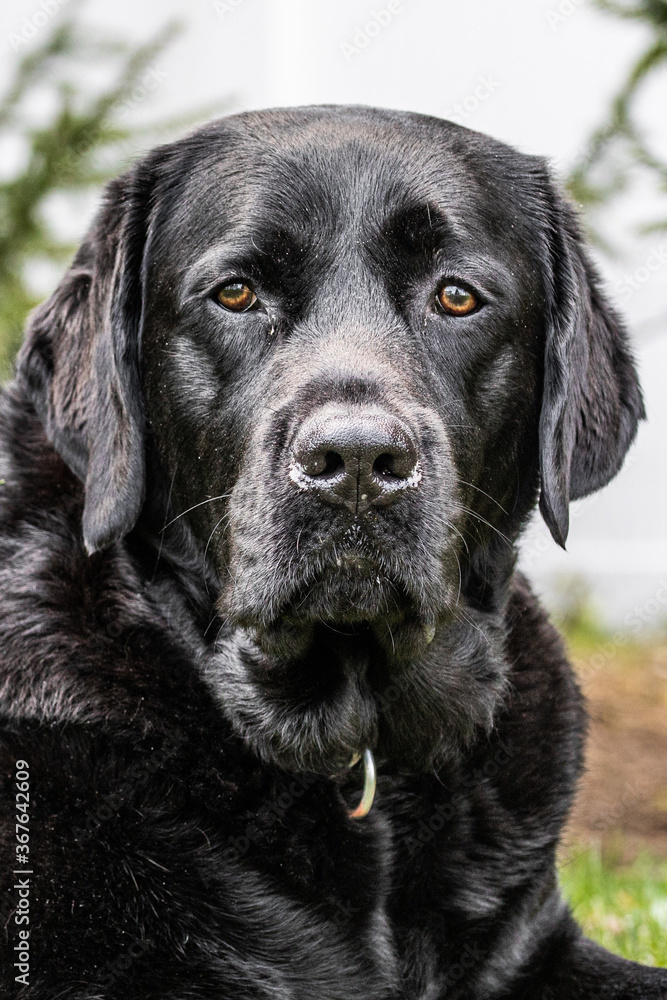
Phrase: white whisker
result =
(223, 496)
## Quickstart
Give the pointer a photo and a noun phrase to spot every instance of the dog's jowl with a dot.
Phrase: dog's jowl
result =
(290, 723)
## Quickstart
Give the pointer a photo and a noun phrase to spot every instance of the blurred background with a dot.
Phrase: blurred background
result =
(86, 86)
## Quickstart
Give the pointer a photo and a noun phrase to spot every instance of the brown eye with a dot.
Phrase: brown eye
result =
(456, 301)
(236, 296)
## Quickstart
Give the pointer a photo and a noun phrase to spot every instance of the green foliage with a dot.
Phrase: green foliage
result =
(83, 142)
(618, 147)
(622, 907)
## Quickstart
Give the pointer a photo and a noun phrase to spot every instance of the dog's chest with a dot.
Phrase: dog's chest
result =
(344, 882)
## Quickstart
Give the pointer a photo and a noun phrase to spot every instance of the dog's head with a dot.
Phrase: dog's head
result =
(356, 345)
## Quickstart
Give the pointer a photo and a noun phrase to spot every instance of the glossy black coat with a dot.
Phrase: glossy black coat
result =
(195, 643)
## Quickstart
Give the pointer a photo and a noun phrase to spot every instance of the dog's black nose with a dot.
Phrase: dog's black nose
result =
(356, 456)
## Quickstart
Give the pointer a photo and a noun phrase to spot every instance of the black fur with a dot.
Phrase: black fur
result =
(194, 647)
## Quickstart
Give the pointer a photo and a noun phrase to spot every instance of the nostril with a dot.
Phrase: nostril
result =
(333, 463)
(384, 466)
(395, 465)
(322, 464)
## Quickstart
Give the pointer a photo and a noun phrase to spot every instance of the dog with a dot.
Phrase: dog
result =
(280, 717)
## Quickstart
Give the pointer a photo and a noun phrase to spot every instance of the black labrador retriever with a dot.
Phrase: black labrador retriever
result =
(280, 719)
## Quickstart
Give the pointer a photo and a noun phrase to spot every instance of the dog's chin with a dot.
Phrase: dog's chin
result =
(359, 642)
(349, 598)
(310, 695)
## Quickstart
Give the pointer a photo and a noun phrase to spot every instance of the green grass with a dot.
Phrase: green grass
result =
(623, 907)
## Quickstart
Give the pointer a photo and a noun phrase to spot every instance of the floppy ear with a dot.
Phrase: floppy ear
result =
(80, 363)
(591, 401)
